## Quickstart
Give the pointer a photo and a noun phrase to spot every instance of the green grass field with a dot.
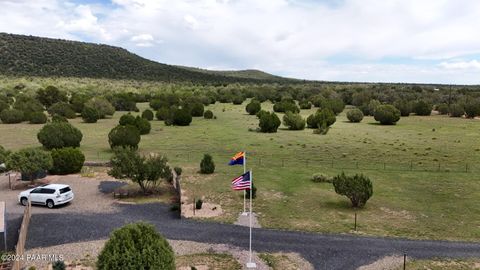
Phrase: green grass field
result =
(425, 170)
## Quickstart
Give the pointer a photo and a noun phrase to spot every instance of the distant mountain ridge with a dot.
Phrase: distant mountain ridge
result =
(22, 55)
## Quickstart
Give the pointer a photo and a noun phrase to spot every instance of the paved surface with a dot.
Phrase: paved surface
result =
(68, 224)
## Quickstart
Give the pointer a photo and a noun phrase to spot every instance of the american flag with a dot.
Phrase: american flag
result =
(242, 182)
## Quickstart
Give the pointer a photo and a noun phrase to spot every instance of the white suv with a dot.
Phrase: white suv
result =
(49, 195)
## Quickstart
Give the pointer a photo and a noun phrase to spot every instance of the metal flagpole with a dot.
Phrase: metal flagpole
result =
(250, 263)
(244, 191)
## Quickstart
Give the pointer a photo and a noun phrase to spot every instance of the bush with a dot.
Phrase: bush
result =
(136, 246)
(294, 121)
(38, 118)
(336, 105)
(163, 113)
(127, 119)
(269, 122)
(62, 108)
(27, 105)
(29, 162)
(103, 107)
(89, 115)
(238, 100)
(314, 120)
(67, 160)
(58, 265)
(58, 118)
(78, 102)
(457, 110)
(254, 192)
(3, 154)
(472, 109)
(4, 105)
(355, 115)
(124, 136)
(357, 188)
(422, 108)
(208, 114)
(442, 108)
(286, 106)
(253, 107)
(387, 114)
(305, 105)
(11, 116)
(147, 114)
(405, 107)
(59, 135)
(207, 166)
(178, 171)
(51, 95)
(156, 104)
(198, 204)
(182, 117)
(144, 171)
(321, 178)
(197, 110)
(142, 125)
(124, 102)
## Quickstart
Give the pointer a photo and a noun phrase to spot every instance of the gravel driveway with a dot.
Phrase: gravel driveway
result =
(94, 215)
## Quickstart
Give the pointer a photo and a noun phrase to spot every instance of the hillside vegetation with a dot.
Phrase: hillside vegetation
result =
(36, 56)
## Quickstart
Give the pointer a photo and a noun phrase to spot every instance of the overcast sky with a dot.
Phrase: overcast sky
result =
(344, 40)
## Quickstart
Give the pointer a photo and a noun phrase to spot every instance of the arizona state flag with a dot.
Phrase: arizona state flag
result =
(238, 159)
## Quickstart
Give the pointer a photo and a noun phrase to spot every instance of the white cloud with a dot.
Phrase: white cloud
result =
(290, 37)
(473, 64)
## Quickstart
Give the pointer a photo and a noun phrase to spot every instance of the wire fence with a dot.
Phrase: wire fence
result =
(256, 159)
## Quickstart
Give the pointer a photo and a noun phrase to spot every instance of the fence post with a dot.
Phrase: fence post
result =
(438, 169)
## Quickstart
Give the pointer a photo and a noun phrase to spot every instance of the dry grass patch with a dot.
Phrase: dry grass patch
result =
(285, 261)
(206, 261)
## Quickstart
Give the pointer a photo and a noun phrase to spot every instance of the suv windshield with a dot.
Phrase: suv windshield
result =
(64, 190)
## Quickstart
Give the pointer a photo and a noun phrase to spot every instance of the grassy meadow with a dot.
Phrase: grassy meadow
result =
(425, 170)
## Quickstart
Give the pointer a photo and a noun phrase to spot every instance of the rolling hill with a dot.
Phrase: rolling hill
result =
(36, 56)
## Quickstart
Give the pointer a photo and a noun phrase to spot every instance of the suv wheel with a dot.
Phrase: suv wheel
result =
(24, 201)
(50, 204)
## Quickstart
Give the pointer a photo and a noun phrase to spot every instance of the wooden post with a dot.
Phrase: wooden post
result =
(194, 206)
(355, 221)
(404, 260)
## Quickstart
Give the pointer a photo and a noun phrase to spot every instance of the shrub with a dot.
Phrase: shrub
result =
(59, 118)
(144, 171)
(11, 116)
(422, 108)
(58, 265)
(321, 178)
(336, 105)
(156, 104)
(198, 204)
(78, 102)
(124, 102)
(89, 114)
(286, 106)
(124, 136)
(457, 110)
(142, 125)
(319, 117)
(163, 113)
(29, 162)
(238, 100)
(208, 114)
(58, 135)
(182, 117)
(207, 166)
(254, 192)
(197, 109)
(147, 114)
(405, 107)
(355, 115)
(127, 119)
(253, 107)
(305, 105)
(4, 105)
(3, 154)
(51, 95)
(442, 108)
(357, 188)
(62, 108)
(38, 118)
(178, 171)
(103, 107)
(269, 122)
(294, 121)
(27, 105)
(472, 109)
(261, 113)
(67, 160)
(387, 114)
(136, 246)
